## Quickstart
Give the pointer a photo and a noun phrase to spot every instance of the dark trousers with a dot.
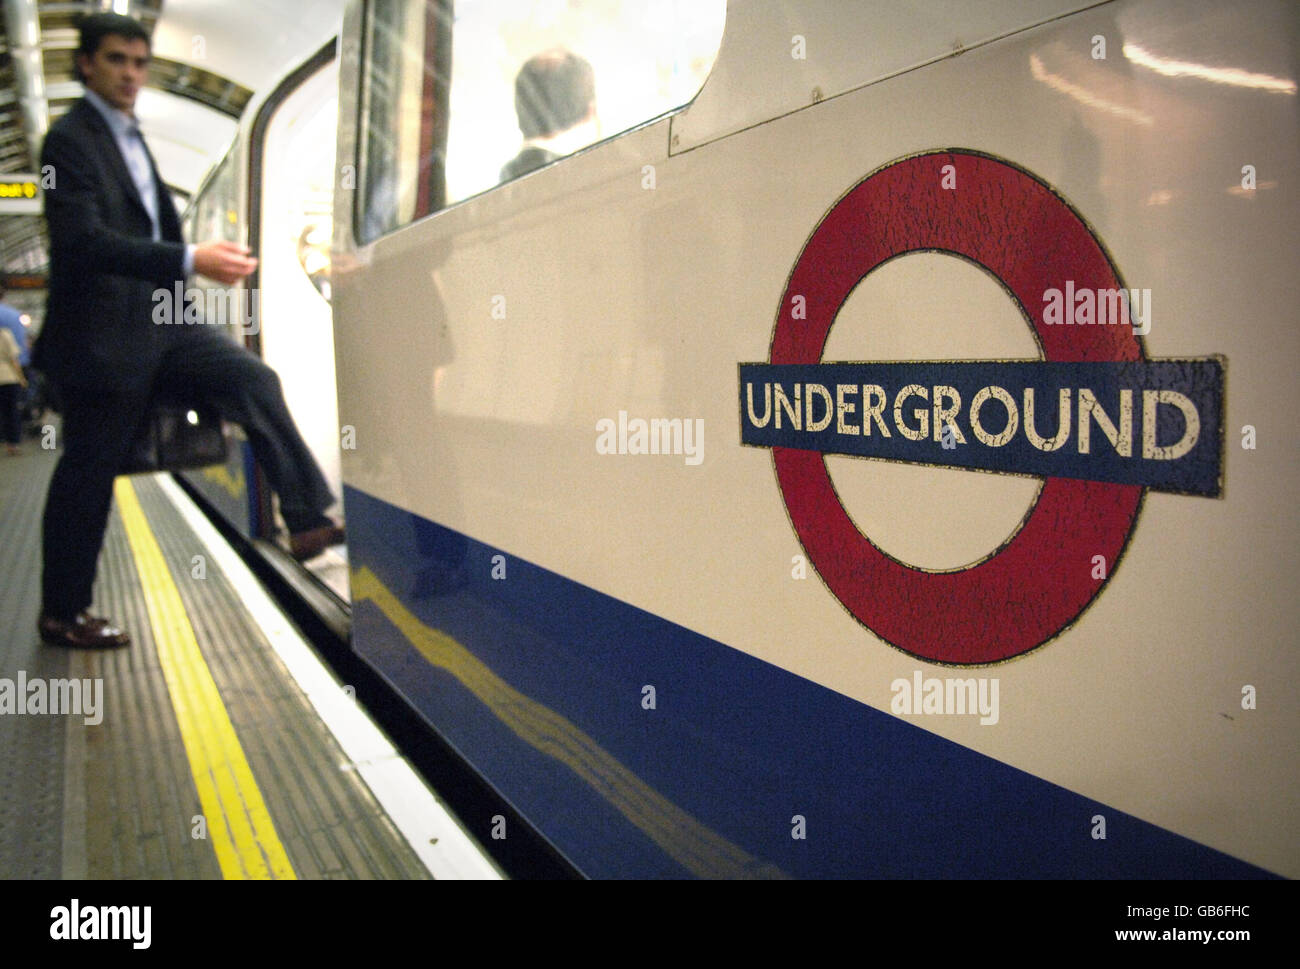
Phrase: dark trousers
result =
(11, 422)
(98, 428)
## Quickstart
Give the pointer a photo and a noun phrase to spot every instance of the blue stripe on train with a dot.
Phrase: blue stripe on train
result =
(735, 746)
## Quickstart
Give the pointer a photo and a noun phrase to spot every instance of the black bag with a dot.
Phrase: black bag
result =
(177, 437)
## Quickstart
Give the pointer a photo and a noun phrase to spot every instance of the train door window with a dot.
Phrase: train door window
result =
(457, 99)
(214, 214)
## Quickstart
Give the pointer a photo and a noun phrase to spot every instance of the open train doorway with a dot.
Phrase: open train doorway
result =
(293, 165)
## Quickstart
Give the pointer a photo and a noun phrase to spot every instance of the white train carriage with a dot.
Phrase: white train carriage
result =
(880, 466)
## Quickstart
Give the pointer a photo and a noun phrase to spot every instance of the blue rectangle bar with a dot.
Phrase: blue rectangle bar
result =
(1158, 424)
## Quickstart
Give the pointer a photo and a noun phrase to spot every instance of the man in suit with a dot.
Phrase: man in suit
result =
(115, 241)
(555, 101)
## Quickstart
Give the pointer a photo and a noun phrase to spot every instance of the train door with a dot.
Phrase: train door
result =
(291, 202)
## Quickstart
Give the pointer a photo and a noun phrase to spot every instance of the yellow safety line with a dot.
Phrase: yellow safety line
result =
(237, 819)
(696, 847)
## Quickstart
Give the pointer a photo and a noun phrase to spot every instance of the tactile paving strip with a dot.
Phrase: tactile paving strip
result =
(327, 819)
(116, 800)
(31, 747)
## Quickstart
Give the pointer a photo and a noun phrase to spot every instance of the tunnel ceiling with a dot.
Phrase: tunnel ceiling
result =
(211, 58)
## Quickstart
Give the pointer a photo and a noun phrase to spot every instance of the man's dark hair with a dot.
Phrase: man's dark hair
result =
(95, 27)
(553, 92)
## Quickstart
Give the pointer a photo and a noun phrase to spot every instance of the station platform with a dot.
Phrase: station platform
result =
(215, 746)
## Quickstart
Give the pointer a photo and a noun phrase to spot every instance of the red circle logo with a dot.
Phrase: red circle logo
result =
(1018, 229)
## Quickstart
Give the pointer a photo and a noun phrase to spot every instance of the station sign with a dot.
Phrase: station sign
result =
(20, 195)
(1097, 420)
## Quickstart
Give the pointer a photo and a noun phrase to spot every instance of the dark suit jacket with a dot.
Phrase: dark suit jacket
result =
(105, 266)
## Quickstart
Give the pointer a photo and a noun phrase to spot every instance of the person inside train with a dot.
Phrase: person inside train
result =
(555, 101)
(115, 242)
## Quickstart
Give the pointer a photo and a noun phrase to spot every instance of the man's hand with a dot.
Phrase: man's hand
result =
(225, 262)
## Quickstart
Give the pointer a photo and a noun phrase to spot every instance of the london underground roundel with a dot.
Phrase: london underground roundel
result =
(1095, 419)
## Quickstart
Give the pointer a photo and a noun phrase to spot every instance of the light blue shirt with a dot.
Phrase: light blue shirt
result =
(126, 132)
(12, 321)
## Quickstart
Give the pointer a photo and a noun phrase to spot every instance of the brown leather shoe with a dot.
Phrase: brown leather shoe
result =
(85, 632)
(307, 545)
